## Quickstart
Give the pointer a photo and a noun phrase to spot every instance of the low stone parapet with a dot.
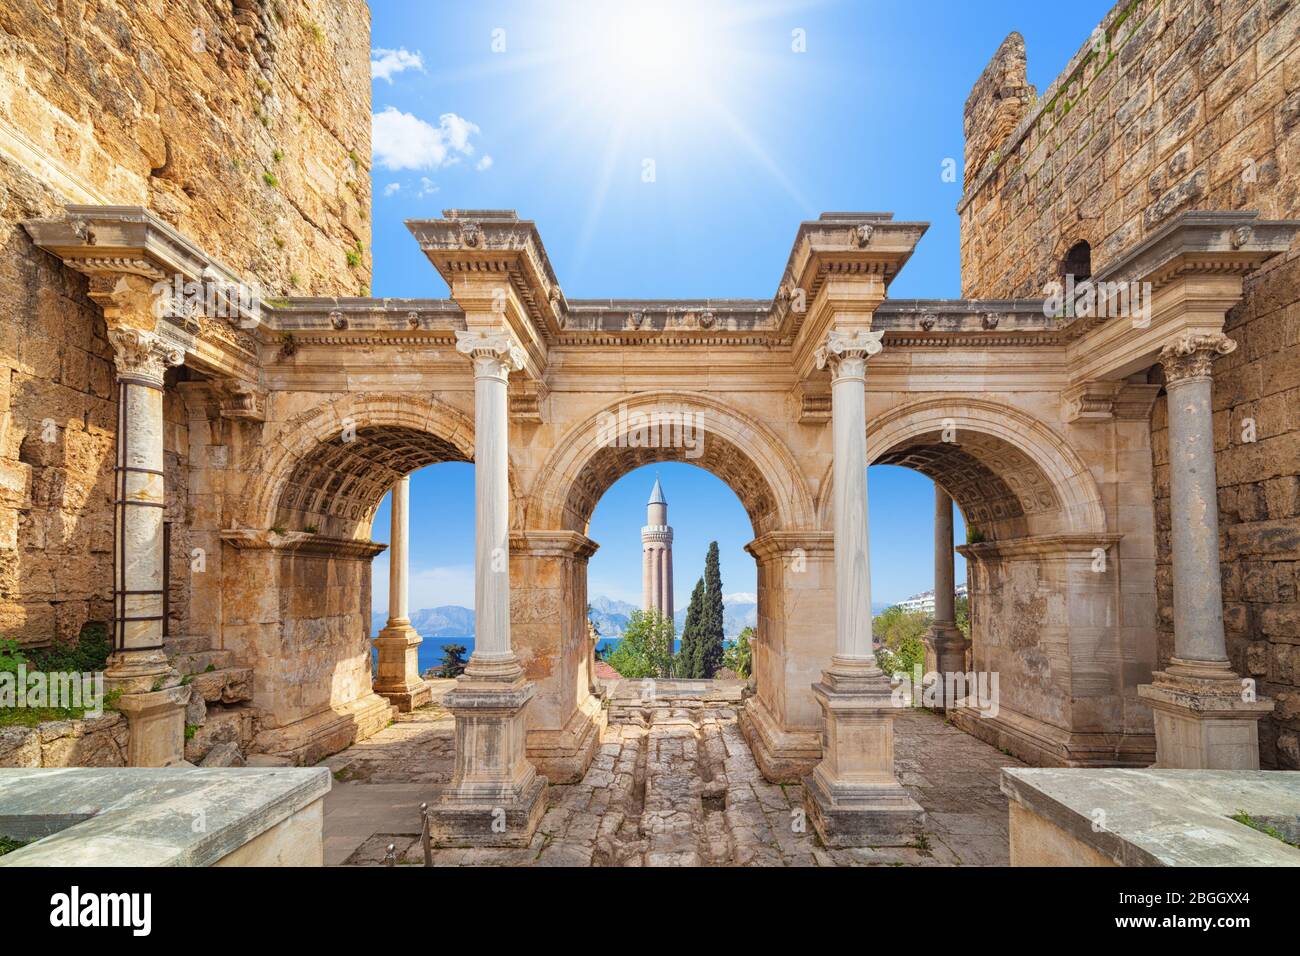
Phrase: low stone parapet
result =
(146, 816)
(1121, 817)
(89, 742)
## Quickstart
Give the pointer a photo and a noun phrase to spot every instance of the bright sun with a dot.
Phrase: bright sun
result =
(645, 60)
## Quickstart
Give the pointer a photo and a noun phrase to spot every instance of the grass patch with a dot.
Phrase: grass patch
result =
(1241, 816)
(8, 845)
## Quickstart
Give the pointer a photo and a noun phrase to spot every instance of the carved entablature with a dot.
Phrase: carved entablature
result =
(1201, 243)
(1106, 401)
(496, 243)
(1191, 356)
(146, 275)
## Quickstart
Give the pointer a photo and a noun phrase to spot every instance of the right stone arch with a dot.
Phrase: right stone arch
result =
(1060, 635)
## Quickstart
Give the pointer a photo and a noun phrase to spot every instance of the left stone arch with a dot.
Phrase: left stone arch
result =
(331, 465)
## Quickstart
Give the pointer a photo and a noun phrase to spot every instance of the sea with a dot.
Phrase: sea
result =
(431, 649)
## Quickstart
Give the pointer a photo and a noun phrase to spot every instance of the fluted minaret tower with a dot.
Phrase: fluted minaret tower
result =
(657, 556)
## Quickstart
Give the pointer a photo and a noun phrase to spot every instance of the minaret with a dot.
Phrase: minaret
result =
(657, 556)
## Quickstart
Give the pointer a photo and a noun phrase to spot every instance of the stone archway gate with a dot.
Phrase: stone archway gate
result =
(303, 412)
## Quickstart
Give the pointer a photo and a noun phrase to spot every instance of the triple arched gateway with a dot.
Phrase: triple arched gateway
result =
(303, 413)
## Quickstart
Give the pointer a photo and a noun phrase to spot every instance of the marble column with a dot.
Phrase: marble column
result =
(947, 645)
(1206, 716)
(852, 795)
(152, 697)
(495, 797)
(398, 678)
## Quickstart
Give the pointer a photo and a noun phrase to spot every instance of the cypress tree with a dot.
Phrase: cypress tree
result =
(708, 645)
(690, 633)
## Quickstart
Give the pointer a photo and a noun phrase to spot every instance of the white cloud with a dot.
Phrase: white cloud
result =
(392, 188)
(384, 64)
(427, 587)
(740, 597)
(427, 187)
(404, 141)
(484, 164)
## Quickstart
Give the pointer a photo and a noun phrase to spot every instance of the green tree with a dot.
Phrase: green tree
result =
(453, 661)
(899, 633)
(646, 649)
(708, 648)
(685, 666)
(738, 655)
(961, 610)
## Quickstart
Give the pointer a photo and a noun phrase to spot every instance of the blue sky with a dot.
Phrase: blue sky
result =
(670, 150)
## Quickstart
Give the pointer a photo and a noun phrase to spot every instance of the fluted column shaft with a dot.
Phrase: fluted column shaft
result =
(847, 357)
(494, 357)
(399, 553)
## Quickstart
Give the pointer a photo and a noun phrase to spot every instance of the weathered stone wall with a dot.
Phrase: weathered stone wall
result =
(94, 742)
(1172, 105)
(247, 126)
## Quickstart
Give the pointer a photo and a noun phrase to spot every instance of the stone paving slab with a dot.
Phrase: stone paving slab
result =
(670, 786)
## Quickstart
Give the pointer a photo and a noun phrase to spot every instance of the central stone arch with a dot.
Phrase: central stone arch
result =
(738, 449)
(549, 555)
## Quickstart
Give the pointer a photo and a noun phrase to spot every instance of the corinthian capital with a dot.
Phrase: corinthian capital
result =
(494, 353)
(1192, 354)
(846, 353)
(143, 356)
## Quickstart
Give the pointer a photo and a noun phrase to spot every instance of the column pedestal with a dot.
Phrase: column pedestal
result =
(852, 796)
(157, 726)
(398, 678)
(946, 648)
(496, 797)
(1204, 719)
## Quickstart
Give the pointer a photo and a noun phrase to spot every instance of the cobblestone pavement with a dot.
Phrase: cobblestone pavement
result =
(679, 790)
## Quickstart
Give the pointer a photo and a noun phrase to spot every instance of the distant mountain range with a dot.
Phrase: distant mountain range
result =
(739, 611)
(448, 621)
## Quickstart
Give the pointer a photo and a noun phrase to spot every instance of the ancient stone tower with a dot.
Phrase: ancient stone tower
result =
(657, 555)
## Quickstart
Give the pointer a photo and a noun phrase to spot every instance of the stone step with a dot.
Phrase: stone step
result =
(222, 724)
(203, 661)
(227, 685)
(187, 644)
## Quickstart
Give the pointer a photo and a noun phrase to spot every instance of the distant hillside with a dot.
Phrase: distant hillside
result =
(739, 611)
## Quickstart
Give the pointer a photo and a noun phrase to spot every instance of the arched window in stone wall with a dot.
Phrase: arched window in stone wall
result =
(1078, 261)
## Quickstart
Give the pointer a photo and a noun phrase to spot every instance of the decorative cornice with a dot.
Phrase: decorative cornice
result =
(300, 542)
(559, 543)
(143, 356)
(242, 400)
(1075, 545)
(1192, 356)
(495, 242)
